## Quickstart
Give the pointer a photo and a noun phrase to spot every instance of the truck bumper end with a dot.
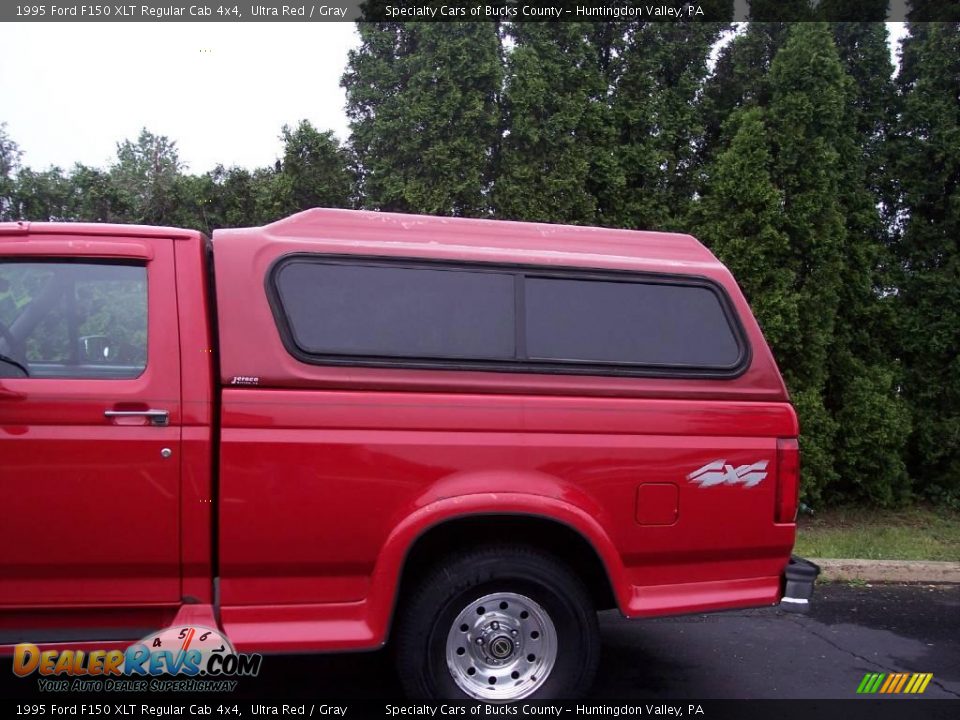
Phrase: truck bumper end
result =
(799, 577)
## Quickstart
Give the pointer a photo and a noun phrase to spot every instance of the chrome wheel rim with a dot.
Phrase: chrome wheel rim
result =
(501, 646)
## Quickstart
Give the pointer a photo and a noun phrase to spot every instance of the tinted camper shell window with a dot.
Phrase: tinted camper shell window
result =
(400, 312)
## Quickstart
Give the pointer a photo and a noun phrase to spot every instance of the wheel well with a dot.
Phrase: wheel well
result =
(547, 535)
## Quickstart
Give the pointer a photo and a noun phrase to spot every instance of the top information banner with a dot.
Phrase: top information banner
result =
(493, 11)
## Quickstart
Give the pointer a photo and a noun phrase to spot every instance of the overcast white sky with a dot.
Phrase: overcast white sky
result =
(222, 91)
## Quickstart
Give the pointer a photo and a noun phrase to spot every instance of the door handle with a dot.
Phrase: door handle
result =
(160, 418)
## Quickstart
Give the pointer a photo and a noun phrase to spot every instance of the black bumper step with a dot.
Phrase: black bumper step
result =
(799, 578)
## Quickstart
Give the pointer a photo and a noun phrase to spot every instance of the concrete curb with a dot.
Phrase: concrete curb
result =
(888, 571)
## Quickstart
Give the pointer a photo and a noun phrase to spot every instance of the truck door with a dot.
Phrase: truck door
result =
(89, 422)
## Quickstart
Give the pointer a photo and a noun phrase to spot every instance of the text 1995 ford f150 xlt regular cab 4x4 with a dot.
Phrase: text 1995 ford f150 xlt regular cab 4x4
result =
(347, 429)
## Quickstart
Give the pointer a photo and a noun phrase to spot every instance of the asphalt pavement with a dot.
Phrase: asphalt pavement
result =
(754, 654)
(765, 653)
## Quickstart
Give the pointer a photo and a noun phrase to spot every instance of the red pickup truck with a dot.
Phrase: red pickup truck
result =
(462, 437)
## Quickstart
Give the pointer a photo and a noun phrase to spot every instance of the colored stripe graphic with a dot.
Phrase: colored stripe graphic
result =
(894, 683)
(870, 683)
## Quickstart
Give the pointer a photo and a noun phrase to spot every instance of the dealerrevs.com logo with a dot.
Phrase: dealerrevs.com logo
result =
(183, 658)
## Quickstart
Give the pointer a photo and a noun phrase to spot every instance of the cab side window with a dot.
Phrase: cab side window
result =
(73, 319)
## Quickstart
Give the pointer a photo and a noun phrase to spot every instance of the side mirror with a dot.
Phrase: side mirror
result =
(97, 350)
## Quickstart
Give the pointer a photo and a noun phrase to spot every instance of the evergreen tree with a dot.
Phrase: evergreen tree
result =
(227, 198)
(422, 99)
(929, 172)
(9, 163)
(196, 203)
(741, 219)
(806, 118)
(740, 79)
(657, 78)
(741, 76)
(146, 174)
(557, 144)
(865, 54)
(315, 171)
(43, 196)
(771, 208)
(97, 198)
(872, 418)
(243, 198)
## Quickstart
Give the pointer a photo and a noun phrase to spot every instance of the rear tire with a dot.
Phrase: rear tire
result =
(498, 624)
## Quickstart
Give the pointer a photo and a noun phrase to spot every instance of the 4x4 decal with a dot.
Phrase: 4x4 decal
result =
(719, 472)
